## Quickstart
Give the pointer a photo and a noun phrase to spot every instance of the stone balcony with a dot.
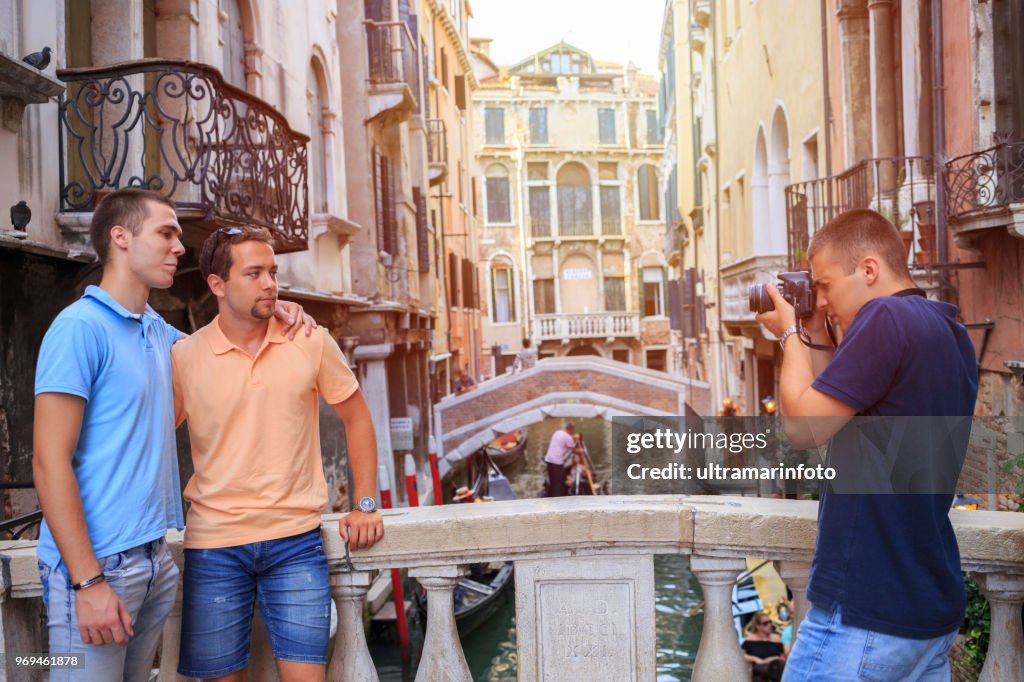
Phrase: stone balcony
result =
(566, 326)
(578, 551)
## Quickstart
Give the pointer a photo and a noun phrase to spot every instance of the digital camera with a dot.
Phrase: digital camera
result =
(796, 288)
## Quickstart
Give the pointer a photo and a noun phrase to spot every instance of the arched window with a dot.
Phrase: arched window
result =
(575, 212)
(647, 192)
(234, 44)
(498, 206)
(503, 301)
(317, 142)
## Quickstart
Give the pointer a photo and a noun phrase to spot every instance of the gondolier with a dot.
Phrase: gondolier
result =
(560, 449)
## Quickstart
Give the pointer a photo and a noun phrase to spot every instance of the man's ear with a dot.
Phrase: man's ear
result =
(216, 285)
(870, 266)
(119, 235)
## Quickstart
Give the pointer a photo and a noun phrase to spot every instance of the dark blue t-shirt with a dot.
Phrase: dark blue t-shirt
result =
(891, 562)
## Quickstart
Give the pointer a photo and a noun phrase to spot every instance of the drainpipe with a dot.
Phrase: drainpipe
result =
(939, 145)
(828, 99)
(719, 304)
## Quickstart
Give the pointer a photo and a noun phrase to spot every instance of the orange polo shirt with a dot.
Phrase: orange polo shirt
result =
(255, 431)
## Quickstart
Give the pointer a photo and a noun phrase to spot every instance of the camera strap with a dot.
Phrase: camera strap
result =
(805, 338)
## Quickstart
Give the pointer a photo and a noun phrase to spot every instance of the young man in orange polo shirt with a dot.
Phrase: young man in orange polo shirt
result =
(253, 531)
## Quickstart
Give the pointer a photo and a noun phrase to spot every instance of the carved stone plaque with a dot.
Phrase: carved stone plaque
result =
(586, 618)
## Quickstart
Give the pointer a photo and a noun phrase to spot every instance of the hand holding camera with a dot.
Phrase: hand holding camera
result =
(779, 307)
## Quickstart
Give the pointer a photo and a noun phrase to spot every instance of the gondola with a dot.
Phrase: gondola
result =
(508, 451)
(597, 488)
(480, 594)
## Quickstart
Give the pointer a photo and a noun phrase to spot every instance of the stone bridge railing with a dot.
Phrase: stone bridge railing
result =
(579, 551)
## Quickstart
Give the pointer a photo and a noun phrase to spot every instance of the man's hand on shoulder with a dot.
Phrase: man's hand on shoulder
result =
(294, 318)
(361, 529)
(102, 616)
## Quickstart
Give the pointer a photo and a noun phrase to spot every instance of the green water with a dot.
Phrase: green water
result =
(491, 650)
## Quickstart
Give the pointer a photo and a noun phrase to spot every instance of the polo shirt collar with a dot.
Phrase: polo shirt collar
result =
(104, 298)
(220, 343)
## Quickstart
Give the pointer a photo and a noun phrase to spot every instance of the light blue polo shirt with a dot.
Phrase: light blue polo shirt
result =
(125, 461)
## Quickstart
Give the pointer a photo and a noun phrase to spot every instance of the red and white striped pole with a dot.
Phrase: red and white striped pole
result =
(435, 473)
(384, 481)
(410, 481)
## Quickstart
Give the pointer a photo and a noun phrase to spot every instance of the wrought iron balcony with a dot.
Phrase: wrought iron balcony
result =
(611, 225)
(393, 68)
(900, 188)
(437, 149)
(540, 227)
(177, 127)
(982, 186)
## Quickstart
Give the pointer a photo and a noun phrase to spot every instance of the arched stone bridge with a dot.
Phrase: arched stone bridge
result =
(569, 387)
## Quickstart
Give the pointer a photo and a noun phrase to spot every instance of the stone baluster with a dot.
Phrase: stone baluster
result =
(796, 574)
(170, 644)
(442, 657)
(719, 656)
(351, 661)
(1005, 659)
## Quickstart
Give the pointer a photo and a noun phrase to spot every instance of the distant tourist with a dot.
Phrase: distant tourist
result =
(763, 649)
(464, 382)
(578, 479)
(560, 449)
(525, 358)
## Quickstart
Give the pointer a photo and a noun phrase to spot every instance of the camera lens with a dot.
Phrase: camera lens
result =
(758, 299)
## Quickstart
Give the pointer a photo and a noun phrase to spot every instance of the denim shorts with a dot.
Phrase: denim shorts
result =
(145, 578)
(826, 649)
(286, 577)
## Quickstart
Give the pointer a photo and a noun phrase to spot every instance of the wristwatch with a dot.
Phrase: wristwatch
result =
(367, 505)
(789, 332)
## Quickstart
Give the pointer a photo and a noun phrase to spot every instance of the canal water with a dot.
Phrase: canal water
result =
(491, 649)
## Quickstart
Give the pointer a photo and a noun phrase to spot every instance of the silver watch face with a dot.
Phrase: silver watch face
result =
(367, 504)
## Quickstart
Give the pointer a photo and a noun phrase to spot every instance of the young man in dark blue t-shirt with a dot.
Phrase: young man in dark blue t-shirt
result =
(886, 590)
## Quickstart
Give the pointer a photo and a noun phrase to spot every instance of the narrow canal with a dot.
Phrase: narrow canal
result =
(491, 649)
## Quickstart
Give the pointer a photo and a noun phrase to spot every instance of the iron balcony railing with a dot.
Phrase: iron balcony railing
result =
(179, 128)
(392, 55)
(611, 225)
(437, 141)
(540, 226)
(992, 178)
(900, 188)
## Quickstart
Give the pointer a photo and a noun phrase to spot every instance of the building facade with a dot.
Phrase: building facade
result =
(571, 253)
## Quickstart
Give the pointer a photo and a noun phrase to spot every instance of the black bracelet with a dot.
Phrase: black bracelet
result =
(88, 583)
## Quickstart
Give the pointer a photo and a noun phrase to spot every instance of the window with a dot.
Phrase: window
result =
(498, 208)
(453, 280)
(614, 294)
(606, 125)
(647, 192)
(653, 127)
(652, 280)
(470, 296)
(317, 143)
(620, 355)
(575, 209)
(540, 211)
(494, 125)
(544, 296)
(538, 125)
(656, 360)
(444, 69)
(384, 202)
(537, 170)
(460, 92)
(502, 298)
(611, 216)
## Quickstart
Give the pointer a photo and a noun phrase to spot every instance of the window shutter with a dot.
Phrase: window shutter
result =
(419, 198)
(460, 92)
(674, 309)
(378, 197)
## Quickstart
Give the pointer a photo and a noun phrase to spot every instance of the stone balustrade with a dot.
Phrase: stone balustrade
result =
(596, 551)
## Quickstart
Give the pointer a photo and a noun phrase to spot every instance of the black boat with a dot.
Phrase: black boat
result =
(507, 451)
(480, 594)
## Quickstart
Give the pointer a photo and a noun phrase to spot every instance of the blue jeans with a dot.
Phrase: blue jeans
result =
(145, 578)
(287, 577)
(826, 649)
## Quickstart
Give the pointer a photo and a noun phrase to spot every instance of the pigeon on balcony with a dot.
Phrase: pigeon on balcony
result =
(40, 60)
(21, 214)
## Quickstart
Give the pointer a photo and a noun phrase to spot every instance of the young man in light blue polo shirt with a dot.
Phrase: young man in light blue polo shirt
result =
(104, 458)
